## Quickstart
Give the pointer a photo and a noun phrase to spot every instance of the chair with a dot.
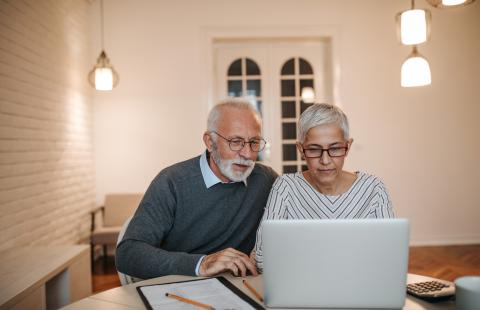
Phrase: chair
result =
(107, 220)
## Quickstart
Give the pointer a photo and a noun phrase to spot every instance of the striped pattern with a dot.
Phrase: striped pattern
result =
(292, 197)
(46, 156)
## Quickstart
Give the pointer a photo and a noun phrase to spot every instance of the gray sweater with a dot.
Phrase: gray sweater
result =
(179, 220)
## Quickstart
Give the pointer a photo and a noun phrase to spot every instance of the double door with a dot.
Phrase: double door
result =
(271, 74)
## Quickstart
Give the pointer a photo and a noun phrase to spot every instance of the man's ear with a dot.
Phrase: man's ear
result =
(207, 139)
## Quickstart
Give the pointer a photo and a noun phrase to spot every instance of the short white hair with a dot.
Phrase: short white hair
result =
(236, 103)
(321, 114)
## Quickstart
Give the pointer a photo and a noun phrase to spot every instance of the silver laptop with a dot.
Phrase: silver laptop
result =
(358, 263)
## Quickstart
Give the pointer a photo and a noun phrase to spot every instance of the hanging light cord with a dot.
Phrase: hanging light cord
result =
(101, 23)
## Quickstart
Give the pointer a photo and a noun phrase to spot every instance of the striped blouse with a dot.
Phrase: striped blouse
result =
(292, 197)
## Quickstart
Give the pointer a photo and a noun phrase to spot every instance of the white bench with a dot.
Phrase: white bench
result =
(44, 277)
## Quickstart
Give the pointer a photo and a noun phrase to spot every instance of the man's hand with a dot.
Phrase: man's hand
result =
(227, 260)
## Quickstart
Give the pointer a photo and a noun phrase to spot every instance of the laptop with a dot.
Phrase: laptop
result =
(345, 263)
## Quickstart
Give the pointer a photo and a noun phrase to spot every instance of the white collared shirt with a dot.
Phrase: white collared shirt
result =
(209, 177)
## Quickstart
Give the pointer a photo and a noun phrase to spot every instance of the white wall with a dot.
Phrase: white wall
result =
(421, 141)
(46, 155)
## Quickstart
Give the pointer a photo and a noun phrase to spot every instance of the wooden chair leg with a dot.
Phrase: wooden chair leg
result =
(105, 256)
(92, 256)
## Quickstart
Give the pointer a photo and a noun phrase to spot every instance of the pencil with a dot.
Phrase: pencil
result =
(254, 291)
(189, 301)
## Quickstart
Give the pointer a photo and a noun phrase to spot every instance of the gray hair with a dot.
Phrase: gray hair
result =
(236, 103)
(321, 114)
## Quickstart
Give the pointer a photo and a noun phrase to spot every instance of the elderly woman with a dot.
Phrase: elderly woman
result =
(325, 190)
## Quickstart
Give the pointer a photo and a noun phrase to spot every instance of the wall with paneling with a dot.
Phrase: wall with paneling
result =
(46, 154)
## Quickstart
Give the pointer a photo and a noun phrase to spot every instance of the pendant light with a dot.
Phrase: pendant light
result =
(415, 70)
(103, 76)
(413, 26)
(441, 4)
(308, 94)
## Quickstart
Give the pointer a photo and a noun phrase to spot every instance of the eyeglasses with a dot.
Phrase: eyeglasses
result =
(237, 144)
(337, 151)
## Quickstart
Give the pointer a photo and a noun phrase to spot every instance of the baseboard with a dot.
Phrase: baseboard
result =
(445, 240)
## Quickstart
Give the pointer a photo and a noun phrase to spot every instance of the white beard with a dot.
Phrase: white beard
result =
(226, 166)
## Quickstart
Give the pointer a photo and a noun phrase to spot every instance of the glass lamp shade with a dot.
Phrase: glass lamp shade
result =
(308, 95)
(415, 71)
(103, 79)
(448, 3)
(413, 26)
(452, 2)
(103, 76)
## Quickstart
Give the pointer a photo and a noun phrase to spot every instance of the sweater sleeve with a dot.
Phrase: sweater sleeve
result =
(276, 209)
(140, 252)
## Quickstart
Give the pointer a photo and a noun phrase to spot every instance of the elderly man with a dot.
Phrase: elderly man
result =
(199, 217)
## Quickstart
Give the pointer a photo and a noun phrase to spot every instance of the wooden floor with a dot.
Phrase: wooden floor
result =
(443, 262)
(104, 275)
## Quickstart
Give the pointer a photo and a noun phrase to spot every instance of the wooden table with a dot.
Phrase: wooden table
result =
(126, 297)
(44, 277)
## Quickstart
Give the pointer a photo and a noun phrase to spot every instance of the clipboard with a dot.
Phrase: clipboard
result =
(217, 292)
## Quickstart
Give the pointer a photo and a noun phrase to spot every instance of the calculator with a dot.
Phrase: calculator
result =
(435, 290)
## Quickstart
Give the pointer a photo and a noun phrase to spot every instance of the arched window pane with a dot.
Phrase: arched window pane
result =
(237, 83)
(306, 83)
(305, 67)
(252, 67)
(289, 152)
(289, 131)
(254, 88)
(296, 74)
(288, 67)
(234, 88)
(242, 83)
(288, 109)
(288, 88)
(304, 106)
(235, 68)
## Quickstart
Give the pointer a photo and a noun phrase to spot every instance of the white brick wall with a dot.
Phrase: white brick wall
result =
(46, 160)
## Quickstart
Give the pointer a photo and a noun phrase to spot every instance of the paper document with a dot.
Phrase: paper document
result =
(216, 292)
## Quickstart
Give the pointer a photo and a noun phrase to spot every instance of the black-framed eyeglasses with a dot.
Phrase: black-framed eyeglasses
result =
(336, 151)
(237, 144)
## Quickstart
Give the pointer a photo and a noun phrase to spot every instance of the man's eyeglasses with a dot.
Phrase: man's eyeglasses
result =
(337, 151)
(237, 144)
